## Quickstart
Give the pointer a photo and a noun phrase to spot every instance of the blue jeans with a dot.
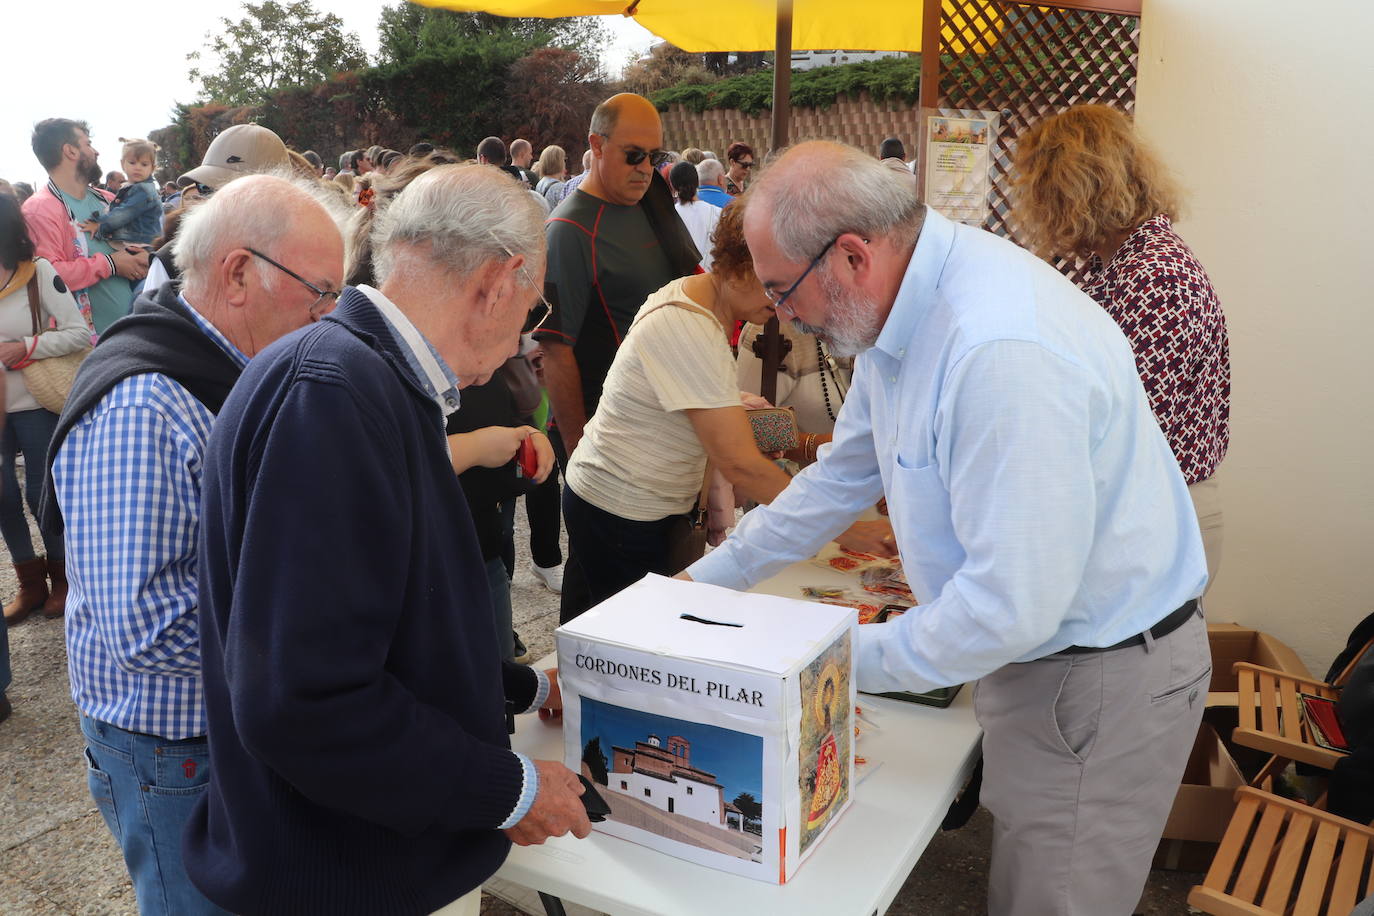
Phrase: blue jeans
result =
(499, 586)
(5, 675)
(145, 788)
(27, 432)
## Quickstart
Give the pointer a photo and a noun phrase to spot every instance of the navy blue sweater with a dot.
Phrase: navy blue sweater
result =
(355, 697)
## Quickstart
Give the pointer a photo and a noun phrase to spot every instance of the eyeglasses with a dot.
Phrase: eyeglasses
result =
(779, 298)
(539, 313)
(745, 165)
(656, 157)
(537, 316)
(322, 293)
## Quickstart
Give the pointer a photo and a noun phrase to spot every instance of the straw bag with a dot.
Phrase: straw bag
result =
(49, 379)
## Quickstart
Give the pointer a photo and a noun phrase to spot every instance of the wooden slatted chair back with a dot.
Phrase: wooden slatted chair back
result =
(1270, 715)
(1283, 857)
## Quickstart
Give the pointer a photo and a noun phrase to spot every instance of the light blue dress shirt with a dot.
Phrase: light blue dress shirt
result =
(1035, 502)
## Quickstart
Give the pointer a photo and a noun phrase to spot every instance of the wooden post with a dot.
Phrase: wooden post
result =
(771, 351)
(930, 84)
(782, 76)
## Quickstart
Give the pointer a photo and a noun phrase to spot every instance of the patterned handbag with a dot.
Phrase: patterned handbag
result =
(50, 379)
(775, 428)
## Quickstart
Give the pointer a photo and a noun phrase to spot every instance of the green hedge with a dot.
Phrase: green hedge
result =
(896, 79)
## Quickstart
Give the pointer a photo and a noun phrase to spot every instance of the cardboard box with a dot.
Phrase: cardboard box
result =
(1203, 806)
(1233, 643)
(718, 724)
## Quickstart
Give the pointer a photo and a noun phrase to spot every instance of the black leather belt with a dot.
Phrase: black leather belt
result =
(1160, 630)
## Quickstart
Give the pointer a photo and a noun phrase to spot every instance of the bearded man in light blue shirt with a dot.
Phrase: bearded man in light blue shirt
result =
(1039, 513)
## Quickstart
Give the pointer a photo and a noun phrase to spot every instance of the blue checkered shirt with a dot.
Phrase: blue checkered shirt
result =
(128, 481)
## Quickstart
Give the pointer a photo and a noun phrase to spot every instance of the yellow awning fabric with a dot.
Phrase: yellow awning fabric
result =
(738, 25)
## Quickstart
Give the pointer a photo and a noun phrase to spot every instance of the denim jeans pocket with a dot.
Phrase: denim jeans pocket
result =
(102, 793)
(181, 766)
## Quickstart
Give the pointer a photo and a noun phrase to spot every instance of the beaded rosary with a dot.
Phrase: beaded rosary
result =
(827, 363)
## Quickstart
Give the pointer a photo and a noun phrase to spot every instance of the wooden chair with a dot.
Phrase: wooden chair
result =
(1271, 719)
(1285, 858)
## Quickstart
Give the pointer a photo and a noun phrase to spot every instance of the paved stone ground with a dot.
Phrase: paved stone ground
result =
(56, 857)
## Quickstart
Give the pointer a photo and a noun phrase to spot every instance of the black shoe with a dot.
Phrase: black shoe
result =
(6, 707)
(522, 655)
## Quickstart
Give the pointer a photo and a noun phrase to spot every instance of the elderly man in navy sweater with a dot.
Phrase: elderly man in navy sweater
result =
(353, 679)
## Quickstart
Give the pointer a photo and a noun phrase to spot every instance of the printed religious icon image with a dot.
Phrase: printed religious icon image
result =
(684, 781)
(826, 734)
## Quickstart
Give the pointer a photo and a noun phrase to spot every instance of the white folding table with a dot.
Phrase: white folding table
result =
(919, 758)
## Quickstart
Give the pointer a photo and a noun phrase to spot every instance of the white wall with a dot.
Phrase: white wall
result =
(1264, 109)
(704, 804)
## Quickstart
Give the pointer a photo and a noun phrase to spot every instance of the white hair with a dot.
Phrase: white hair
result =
(255, 211)
(819, 190)
(710, 171)
(465, 215)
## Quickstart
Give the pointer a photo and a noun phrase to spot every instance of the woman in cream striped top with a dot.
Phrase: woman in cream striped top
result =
(670, 402)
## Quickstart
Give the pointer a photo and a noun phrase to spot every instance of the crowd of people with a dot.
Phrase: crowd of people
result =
(277, 502)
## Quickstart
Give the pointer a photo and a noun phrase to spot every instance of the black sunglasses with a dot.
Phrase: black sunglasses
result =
(323, 294)
(656, 158)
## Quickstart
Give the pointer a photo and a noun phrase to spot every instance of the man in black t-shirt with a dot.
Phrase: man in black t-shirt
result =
(612, 242)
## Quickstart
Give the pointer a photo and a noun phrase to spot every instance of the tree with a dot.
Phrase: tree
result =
(276, 45)
(552, 92)
(596, 762)
(749, 806)
(666, 65)
(408, 30)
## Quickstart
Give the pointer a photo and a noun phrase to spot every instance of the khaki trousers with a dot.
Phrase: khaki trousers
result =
(1082, 757)
(470, 904)
(1207, 503)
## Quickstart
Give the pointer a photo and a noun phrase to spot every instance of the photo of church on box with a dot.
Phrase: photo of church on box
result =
(684, 781)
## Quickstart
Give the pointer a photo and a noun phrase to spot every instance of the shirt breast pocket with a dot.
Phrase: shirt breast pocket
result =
(919, 506)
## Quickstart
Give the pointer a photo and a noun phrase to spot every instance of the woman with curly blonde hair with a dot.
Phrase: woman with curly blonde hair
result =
(1085, 185)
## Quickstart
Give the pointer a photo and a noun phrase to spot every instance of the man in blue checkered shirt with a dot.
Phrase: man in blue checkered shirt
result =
(259, 259)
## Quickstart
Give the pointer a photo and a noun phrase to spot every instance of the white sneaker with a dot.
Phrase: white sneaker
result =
(551, 576)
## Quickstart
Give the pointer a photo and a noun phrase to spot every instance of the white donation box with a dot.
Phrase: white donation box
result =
(718, 725)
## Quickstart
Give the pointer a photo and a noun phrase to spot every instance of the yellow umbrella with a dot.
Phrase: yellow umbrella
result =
(750, 25)
(738, 25)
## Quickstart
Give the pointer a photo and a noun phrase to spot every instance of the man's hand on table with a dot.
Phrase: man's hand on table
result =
(557, 808)
(874, 538)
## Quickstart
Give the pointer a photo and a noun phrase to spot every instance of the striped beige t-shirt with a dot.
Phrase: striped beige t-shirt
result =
(639, 457)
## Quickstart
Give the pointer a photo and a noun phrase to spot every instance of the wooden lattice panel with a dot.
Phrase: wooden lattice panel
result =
(1027, 62)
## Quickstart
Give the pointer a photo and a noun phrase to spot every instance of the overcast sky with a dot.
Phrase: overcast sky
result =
(133, 68)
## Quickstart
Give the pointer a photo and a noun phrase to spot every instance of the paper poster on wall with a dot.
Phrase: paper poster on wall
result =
(958, 154)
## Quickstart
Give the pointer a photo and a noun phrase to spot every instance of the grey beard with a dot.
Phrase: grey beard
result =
(851, 322)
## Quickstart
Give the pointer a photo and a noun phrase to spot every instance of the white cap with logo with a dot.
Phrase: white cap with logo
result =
(244, 149)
